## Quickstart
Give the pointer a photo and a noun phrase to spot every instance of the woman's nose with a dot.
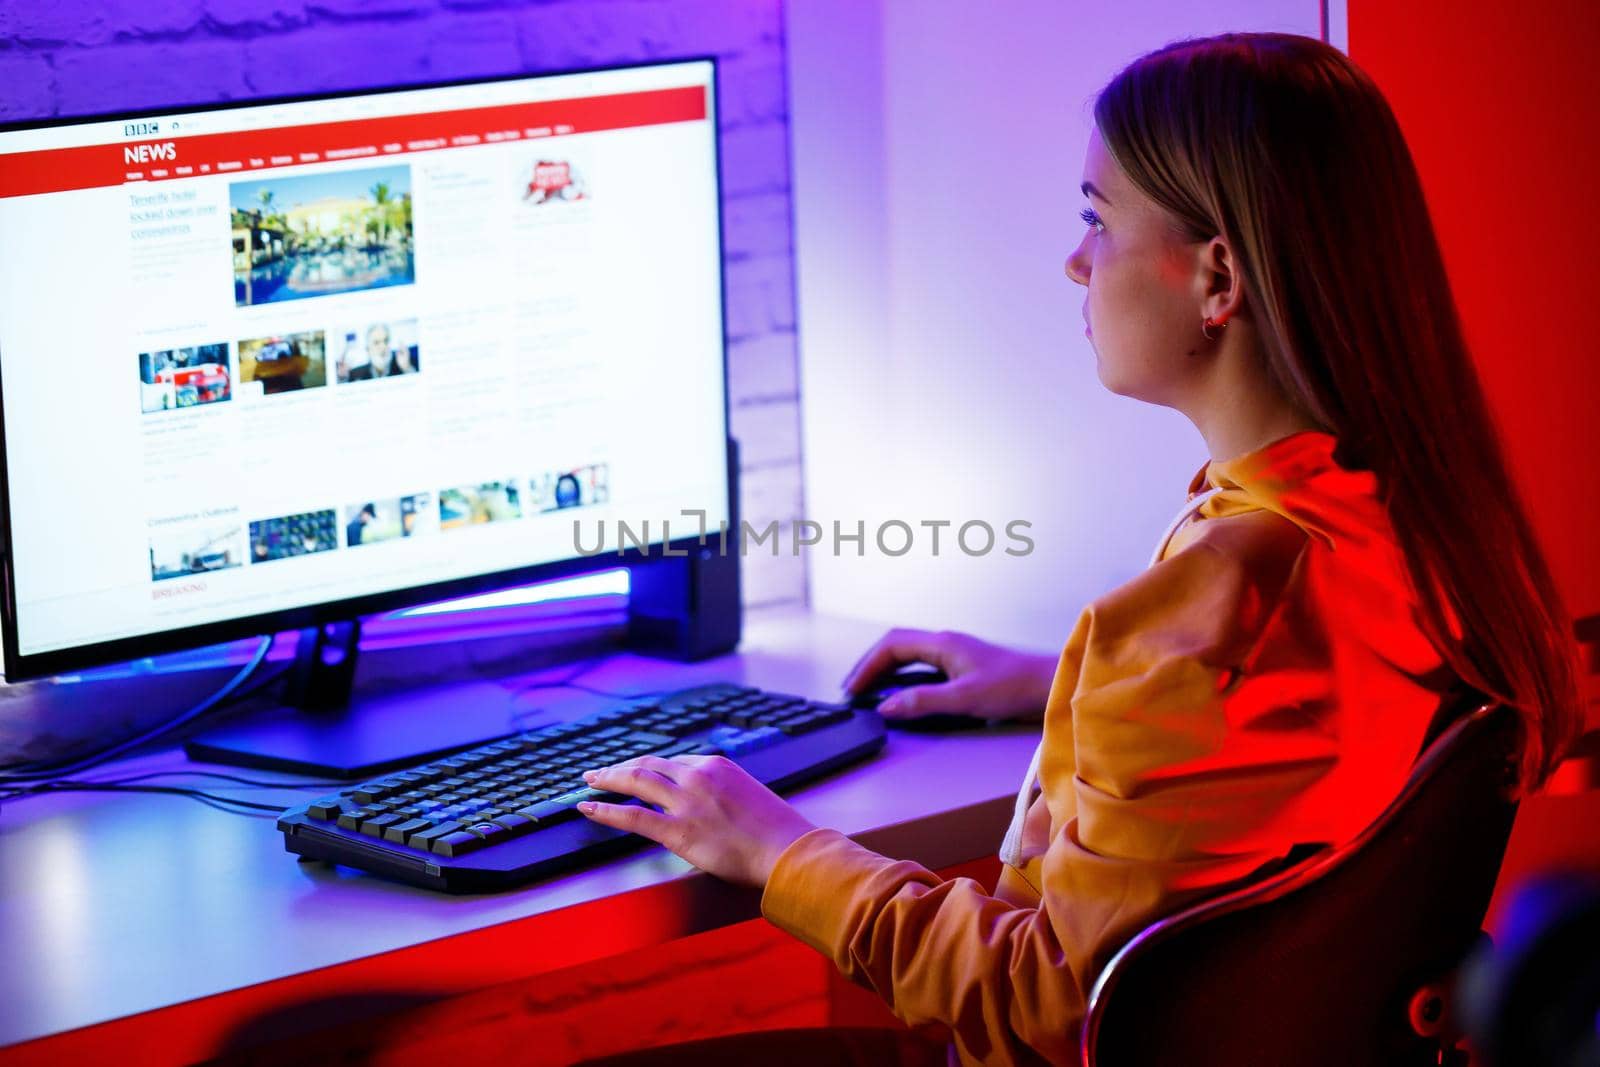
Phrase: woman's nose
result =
(1078, 266)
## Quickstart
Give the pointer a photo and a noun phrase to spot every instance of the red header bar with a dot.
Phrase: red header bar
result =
(91, 166)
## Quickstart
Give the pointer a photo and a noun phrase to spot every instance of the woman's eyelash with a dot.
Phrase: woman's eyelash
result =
(1088, 215)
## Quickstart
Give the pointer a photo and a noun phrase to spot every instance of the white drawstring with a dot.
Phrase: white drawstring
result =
(1011, 846)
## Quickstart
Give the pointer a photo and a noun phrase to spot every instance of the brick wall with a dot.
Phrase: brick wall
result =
(85, 56)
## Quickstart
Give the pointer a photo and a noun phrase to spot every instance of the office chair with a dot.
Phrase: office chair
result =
(1345, 958)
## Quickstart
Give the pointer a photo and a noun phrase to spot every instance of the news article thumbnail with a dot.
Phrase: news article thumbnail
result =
(377, 350)
(318, 234)
(287, 536)
(580, 487)
(547, 180)
(190, 550)
(373, 521)
(285, 363)
(183, 377)
(473, 505)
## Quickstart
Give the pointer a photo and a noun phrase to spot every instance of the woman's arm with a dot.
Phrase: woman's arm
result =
(1166, 778)
(1171, 775)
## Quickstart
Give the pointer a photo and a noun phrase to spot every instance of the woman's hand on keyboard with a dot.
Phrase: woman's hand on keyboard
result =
(712, 813)
(988, 681)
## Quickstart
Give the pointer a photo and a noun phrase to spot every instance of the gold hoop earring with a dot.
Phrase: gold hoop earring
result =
(1208, 325)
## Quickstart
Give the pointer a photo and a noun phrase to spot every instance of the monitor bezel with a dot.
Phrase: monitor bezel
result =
(18, 667)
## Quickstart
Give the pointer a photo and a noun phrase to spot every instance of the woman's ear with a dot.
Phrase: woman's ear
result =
(1222, 288)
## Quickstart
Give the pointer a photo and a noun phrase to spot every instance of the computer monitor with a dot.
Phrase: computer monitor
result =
(277, 364)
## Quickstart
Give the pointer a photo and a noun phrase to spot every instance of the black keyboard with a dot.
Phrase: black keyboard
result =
(506, 812)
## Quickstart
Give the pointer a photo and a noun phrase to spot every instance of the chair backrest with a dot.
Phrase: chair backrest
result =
(1316, 964)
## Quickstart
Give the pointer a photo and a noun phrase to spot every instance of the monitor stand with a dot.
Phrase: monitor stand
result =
(325, 731)
(683, 604)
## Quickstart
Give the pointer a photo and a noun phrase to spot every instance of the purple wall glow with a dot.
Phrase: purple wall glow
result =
(86, 56)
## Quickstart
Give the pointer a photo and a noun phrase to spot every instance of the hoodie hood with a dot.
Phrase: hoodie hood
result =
(1296, 477)
(1358, 558)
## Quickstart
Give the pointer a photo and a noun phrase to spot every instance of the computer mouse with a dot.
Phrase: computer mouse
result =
(905, 677)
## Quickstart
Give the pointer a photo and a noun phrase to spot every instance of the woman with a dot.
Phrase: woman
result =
(1259, 257)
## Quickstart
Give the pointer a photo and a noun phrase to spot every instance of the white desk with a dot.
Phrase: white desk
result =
(115, 905)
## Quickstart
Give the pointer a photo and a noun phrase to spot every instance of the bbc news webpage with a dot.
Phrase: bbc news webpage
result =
(262, 358)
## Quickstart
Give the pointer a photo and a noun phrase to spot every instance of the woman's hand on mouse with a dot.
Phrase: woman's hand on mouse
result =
(988, 681)
(712, 813)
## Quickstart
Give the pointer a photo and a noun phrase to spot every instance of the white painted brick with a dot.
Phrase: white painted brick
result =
(277, 62)
(770, 494)
(465, 45)
(263, 16)
(552, 36)
(151, 74)
(727, 26)
(754, 88)
(755, 159)
(757, 225)
(768, 434)
(29, 87)
(81, 23)
(762, 367)
(760, 295)
(355, 9)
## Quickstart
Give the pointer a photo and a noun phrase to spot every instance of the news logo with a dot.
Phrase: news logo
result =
(149, 153)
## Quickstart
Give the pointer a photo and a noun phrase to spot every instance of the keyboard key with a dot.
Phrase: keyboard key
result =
(400, 831)
(458, 843)
(682, 748)
(424, 839)
(565, 806)
(549, 812)
(798, 724)
(375, 826)
(647, 741)
(325, 810)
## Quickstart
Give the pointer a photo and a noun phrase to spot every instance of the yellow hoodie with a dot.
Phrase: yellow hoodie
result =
(1265, 683)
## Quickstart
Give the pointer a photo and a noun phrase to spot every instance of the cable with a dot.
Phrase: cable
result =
(583, 668)
(33, 772)
(613, 695)
(252, 782)
(33, 779)
(214, 800)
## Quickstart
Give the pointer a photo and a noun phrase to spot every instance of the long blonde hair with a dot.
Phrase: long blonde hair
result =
(1283, 146)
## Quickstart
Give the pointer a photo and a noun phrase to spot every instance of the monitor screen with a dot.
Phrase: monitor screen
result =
(262, 358)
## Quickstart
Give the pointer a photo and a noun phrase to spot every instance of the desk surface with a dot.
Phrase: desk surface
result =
(112, 905)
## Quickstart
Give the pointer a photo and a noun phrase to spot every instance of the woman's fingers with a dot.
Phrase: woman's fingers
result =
(892, 649)
(634, 818)
(635, 779)
(666, 768)
(953, 697)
